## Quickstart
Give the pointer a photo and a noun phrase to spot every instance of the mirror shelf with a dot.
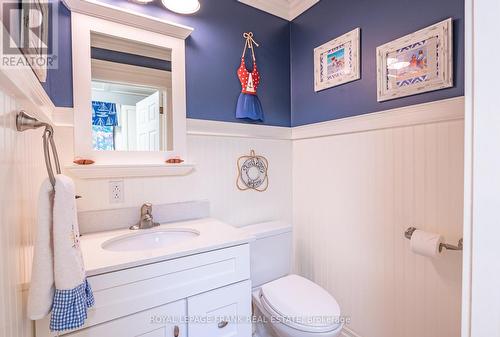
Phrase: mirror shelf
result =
(105, 171)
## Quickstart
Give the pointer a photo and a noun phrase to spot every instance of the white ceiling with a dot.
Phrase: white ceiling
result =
(286, 9)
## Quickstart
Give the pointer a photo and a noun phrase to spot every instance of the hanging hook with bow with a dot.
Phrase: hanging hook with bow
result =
(249, 42)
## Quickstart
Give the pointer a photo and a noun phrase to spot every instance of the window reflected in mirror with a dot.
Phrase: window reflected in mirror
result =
(131, 96)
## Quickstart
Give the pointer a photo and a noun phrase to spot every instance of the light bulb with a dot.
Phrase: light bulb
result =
(142, 2)
(182, 6)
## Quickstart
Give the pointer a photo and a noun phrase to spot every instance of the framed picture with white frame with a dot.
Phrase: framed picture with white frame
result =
(416, 63)
(337, 61)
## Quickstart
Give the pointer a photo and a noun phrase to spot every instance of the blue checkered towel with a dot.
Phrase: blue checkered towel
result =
(69, 309)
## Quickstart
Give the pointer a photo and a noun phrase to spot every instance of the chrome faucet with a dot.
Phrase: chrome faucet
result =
(146, 218)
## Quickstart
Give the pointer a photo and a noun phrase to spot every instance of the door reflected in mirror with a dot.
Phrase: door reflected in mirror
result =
(127, 117)
(131, 96)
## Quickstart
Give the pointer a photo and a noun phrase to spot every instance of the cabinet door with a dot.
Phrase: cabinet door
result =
(223, 312)
(164, 321)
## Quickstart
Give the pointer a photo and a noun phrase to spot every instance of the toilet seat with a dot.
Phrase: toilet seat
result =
(300, 304)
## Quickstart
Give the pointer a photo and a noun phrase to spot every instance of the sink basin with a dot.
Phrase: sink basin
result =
(149, 239)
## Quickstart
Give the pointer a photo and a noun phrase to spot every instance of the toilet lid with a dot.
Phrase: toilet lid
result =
(301, 304)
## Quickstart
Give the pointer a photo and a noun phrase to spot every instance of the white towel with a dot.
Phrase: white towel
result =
(72, 295)
(41, 290)
(69, 271)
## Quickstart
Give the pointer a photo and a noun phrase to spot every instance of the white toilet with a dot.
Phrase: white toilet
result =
(286, 305)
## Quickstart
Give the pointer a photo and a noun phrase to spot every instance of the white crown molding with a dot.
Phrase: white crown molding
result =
(127, 17)
(298, 7)
(426, 113)
(201, 127)
(285, 9)
(278, 8)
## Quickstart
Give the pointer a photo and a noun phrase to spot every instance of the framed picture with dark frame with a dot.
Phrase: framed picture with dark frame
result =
(337, 61)
(416, 63)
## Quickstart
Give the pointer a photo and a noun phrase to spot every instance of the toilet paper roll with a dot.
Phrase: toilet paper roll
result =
(425, 243)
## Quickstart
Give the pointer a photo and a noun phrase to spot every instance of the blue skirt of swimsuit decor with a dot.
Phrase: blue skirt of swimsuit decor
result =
(249, 107)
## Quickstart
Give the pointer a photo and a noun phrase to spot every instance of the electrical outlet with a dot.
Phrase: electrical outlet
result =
(116, 195)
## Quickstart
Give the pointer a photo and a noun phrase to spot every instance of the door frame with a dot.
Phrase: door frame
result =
(481, 271)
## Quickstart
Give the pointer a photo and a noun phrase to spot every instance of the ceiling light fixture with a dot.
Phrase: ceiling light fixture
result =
(143, 2)
(182, 6)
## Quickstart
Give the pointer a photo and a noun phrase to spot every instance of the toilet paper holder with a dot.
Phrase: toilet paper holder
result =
(460, 246)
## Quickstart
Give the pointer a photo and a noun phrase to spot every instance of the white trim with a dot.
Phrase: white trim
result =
(25, 83)
(297, 7)
(22, 82)
(432, 112)
(468, 171)
(107, 71)
(63, 117)
(201, 127)
(82, 26)
(285, 9)
(105, 42)
(481, 305)
(346, 332)
(279, 8)
(97, 171)
(127, 17)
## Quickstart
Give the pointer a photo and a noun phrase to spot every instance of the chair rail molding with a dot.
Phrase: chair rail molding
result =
(22, 83)
(201, 127)
(431, 112)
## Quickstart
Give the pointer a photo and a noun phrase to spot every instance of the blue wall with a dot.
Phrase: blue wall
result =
(380, 22)
(59, 84)
(213, 54)
(214, 49)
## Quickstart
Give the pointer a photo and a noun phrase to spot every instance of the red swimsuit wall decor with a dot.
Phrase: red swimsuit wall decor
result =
(249, 105)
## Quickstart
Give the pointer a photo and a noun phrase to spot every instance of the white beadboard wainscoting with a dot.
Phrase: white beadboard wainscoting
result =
(356, 189)
(22, 170)
(214, 150)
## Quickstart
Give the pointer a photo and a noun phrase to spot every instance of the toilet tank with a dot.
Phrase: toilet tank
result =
(271, 252)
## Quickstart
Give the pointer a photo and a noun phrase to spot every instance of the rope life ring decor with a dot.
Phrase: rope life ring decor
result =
(252, 172)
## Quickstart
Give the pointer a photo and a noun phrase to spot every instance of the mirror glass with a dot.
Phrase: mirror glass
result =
(131, 95)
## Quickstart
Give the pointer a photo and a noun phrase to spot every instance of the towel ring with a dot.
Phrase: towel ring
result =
(24, 122)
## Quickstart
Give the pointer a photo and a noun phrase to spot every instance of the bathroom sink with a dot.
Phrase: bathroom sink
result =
(149, 240)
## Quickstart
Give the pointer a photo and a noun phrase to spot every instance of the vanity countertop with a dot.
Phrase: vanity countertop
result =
(213, 234)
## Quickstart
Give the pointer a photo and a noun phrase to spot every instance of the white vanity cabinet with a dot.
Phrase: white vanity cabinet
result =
(155, 322)
(226, 311)
(191, 296)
